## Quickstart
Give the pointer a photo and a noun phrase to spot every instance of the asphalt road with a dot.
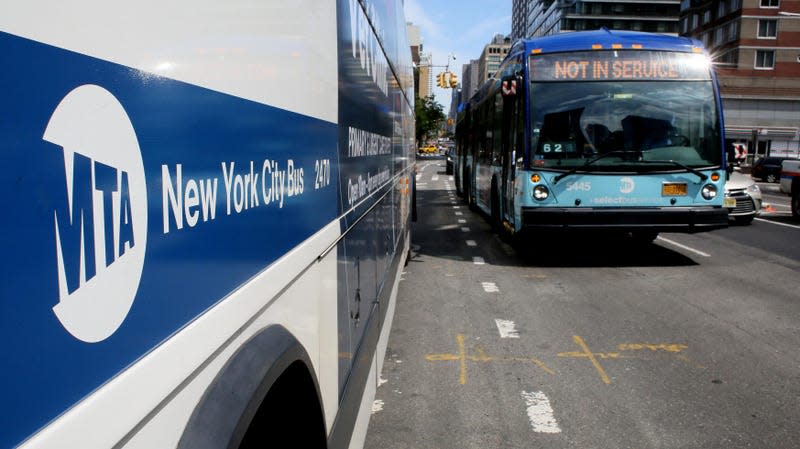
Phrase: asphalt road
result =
(689, 342)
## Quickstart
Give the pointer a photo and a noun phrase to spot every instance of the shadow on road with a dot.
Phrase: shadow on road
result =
(437, 234)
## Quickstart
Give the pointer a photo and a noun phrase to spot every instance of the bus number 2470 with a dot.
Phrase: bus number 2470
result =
(322, 170)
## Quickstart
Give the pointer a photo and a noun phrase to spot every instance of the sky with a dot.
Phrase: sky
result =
(457, 27)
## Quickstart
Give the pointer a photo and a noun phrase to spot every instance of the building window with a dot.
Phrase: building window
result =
(733, 31)
(735, 5)
(770, 3)
(706, 16)
(730, 59)
(767, 29)
(765, 59)
(721, 10)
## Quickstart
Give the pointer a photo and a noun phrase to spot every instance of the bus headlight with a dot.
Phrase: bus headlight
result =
(709, 191)
(540, 193)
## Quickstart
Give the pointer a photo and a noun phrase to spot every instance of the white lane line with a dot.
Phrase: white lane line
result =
(464, 229)
(459, 213)
(478, 260)
(540, 413)
(456, 207)
(472, 243)
(778, 223)
(462, 221)
(687, 248)
(506, 328)
(490, 287)
(434, 178)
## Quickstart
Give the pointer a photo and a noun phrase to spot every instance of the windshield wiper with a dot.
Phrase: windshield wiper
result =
(588, 163)
(699, 174)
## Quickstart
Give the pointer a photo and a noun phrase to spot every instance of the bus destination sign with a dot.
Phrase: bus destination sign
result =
(620, 66)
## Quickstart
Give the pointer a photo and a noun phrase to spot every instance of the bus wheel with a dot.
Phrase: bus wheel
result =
(496, 223)
(644, 237)
(291, 410)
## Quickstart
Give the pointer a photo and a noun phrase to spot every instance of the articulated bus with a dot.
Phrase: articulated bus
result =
(206, 208)
(596, 130)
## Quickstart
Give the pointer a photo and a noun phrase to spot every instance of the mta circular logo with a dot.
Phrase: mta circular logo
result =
(100, 225)
(626, 185)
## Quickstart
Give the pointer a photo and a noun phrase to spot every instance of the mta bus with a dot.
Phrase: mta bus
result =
(596, 130)
(206, 212)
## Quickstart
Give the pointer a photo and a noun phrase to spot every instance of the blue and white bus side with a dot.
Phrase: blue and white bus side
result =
(206, 209)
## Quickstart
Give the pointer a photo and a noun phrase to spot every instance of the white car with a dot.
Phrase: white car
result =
(790, 184)
(742, 198)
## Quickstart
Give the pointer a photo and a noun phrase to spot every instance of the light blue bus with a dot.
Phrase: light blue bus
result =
(206, 211)
(596, 130)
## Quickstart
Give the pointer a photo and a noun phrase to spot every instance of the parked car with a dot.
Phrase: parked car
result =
(767, 169)
(742, 198)
(790, 184)
(448, 162)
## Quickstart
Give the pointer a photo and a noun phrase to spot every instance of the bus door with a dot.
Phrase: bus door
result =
(510, 151)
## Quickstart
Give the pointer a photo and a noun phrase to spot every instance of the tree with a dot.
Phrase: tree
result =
(429, 117)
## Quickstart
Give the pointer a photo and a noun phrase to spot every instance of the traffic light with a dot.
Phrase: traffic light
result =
(453, 80)
(440, 81)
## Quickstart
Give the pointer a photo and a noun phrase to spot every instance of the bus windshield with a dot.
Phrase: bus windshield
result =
(651, 117)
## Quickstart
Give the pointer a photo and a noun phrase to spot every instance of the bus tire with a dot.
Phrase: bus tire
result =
(795, 201)
(495, 207)
(644, 237)
(467, 191)
(265, 391)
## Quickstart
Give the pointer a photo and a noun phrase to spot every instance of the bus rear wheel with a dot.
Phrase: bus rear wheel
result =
(644, 237)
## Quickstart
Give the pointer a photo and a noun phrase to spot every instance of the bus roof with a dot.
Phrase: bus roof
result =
(608, 39)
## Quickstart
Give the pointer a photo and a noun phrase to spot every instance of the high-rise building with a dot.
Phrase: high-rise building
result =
(415, 41)
(519, 18)
(425, 76)
(754, 45)
(491, 57)
(469, 79)
(546, 17)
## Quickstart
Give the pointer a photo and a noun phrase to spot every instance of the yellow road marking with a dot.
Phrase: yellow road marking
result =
(591, 356)
(462, 378)
(668, 347)
(480, 356)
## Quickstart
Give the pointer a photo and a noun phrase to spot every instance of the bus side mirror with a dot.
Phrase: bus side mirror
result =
(509, 86)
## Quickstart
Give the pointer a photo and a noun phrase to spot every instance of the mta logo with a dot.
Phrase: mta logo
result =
(77, 222)
(100, 217)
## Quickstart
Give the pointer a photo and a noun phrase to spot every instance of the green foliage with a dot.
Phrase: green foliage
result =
(429, 117)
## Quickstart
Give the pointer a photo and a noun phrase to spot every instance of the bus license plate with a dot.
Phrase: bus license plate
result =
(674, 189)
(730, 202)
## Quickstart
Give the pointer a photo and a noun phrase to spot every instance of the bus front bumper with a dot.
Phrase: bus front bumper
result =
(659, 219)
